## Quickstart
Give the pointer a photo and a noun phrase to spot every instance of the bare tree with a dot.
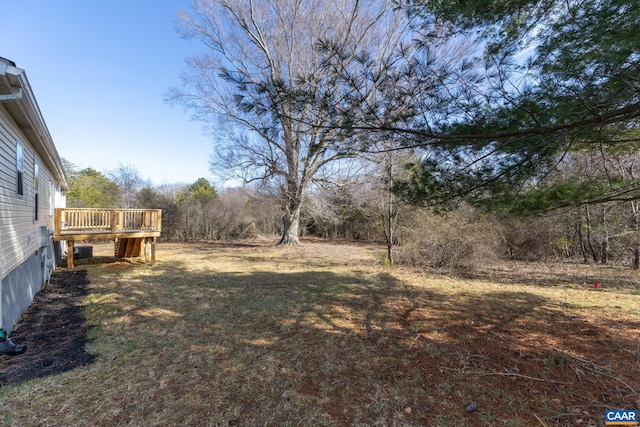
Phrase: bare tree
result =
(265, 83)
(129, 181)
(387, 165)
(388, 202)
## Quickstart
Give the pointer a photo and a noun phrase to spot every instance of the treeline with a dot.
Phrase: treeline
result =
(194, 211)
(367, 209)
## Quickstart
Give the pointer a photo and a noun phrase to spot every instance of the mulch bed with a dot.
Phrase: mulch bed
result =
(53, 329)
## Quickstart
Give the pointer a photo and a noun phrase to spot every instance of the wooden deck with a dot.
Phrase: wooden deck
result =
(134, 231)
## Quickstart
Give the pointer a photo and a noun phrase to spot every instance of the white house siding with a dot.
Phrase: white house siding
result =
(19, 230)
(22, 238)
(25, 243)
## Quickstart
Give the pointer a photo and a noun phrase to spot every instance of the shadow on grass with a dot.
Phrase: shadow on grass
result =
(318, 345)
(364, 346)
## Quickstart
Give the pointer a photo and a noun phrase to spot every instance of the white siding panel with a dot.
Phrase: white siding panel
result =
(20, 232)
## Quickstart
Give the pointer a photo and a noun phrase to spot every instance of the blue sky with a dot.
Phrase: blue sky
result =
(100, 70)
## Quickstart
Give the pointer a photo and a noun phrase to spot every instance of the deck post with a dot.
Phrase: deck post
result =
(146, 246)
(57, 225)
(70, 248)
(113, 220)
(142, 247)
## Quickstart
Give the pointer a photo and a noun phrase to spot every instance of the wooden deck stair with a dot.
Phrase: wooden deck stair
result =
(128, 247)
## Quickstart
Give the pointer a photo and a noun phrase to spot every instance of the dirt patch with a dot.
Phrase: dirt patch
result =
(53, 329)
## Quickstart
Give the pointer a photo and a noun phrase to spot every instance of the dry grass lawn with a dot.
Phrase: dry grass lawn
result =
(249, 334)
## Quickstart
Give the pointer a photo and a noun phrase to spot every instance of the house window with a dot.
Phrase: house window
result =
(36, 179)
(20, 168)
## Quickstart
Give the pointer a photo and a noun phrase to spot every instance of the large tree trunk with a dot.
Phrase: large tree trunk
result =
(290, 228)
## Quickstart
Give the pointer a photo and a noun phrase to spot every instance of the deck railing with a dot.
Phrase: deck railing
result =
(78, 220)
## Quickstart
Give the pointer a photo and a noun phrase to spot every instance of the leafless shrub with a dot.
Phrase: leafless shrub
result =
(534, 239)
(341, 212)
(459, 240)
